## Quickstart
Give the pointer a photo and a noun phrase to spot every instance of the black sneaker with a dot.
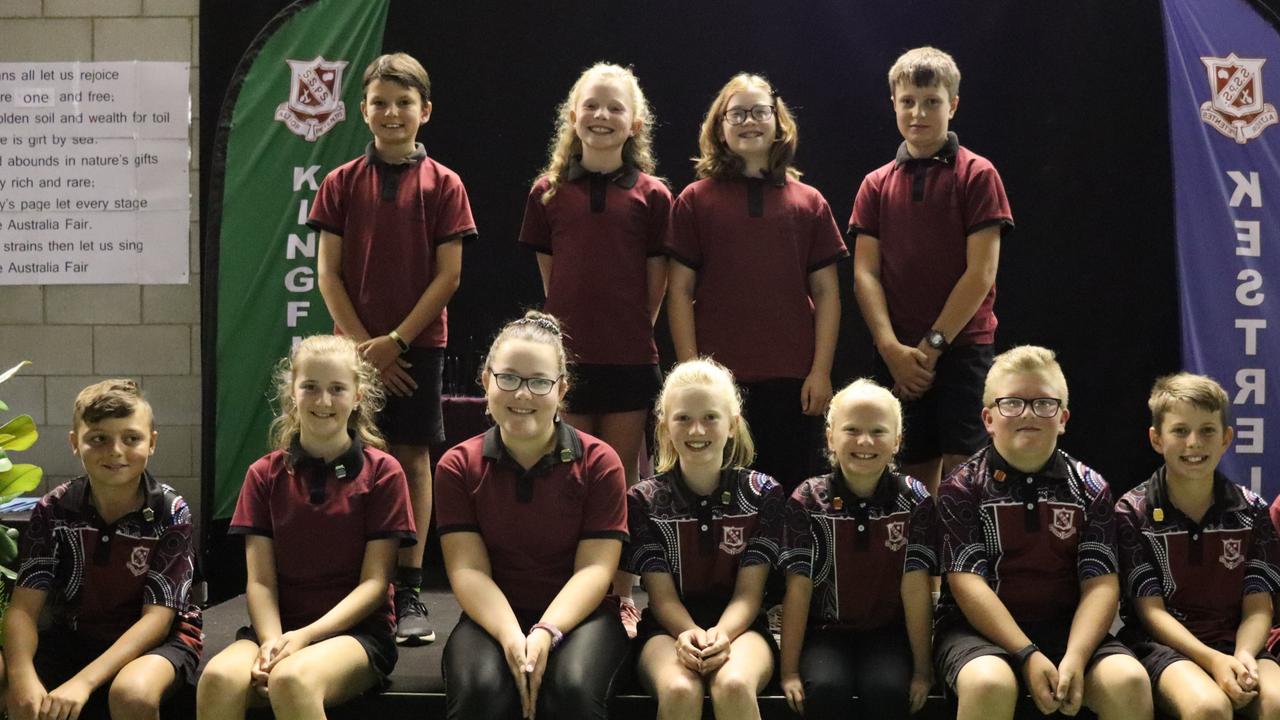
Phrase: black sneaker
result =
(412, 626)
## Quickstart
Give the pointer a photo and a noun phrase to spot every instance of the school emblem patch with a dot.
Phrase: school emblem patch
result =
(1237, 109)
(138, 561)
(1231, 556)
(732, 540)
(897, 537)
(1062, 525)
(315, 97)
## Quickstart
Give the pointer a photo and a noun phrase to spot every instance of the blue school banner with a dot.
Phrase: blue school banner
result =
(1224, 59)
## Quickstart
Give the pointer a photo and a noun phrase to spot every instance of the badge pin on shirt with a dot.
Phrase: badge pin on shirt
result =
(340, 471)
(1158, 514)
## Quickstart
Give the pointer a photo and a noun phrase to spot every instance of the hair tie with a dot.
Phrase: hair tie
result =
(543, 323)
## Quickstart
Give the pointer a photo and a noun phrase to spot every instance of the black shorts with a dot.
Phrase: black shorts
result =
(379, 646)
(787, 440)
(598, 389)
(958, 643)
(417, 419)
(1155, 658)
(946, 420)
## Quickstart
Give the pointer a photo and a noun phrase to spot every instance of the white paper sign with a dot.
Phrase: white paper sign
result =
(94, 173)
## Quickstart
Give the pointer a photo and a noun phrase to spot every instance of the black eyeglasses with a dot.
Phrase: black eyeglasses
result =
(1014, 406)
(512, 382)
(738, 115)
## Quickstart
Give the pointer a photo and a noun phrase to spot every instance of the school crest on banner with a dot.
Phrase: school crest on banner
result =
(1237, 109)
(315, 97)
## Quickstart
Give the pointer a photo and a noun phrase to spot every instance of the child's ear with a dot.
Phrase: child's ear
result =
(1228, 435)
(955, 103)
(426, 113)
(72, 441)
(636, 126)
(1154, 436)
(152, 448)
(1063, 415)
(987, 419)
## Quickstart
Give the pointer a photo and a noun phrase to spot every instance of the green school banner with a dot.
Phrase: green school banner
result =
(292, 114)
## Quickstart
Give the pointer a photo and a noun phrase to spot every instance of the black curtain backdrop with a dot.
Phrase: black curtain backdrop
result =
(1067, 99)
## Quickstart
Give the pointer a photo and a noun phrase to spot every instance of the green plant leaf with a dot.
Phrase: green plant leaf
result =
(10, 574)
(5, 462)
(19, 479)
(22, 430)
(10, 372)
(3, 407)
(8, 549)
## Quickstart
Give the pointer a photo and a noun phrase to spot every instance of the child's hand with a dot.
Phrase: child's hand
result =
(381, 351)
(918, 693)
(66, 701)
(716, 652)
(284, 646)
(1226, 671)
(815, 393)
(1042, 682)
(397, 381)
(1249, 678)
(689, 646)
(25, 698)
(537, 646)
(513, 648)
(1070, 690)
(793, 688)
(911, 377)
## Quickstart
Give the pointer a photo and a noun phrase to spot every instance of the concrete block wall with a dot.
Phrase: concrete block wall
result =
(78, 334)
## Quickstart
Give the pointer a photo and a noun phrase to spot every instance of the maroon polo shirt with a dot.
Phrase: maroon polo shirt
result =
(602, 230)
(923, 211)
(100, 576)
(1034, 537)
(531, 521)
(1202, 570)
(320, 516)
(702, 540)
(856, 550)
(754, 243)
(391, 219)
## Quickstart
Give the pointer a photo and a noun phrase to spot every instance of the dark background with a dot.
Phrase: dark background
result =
(1068, 100)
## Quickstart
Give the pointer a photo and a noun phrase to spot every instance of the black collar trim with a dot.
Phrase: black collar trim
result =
(624, 177)
(344, 467)
(155, 504)
(885, 494)
(946, 154)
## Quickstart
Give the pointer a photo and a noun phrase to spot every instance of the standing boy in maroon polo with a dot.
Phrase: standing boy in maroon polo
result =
(1028, 552)
(110, 553)
(392, 225)
(1198, 555)
(928, 228)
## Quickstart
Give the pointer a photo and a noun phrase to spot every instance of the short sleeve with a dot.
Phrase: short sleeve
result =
(535, 231)
(960, 529)
(328, 210)
(605, 512)
(453, 214)
(171, 566)
(825, 244)
(39, 550)
(765, 545)
(1097, 549)
(682, 239)
(253, 508)
(865, 219)
(388, 513)
(1139, 576)
(922, 541)
(797, 534)
(1261, 575)
(985, 203)
(455, 511)
(659, 225)
(644, 552)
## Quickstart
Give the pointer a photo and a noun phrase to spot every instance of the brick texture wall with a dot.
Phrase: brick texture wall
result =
(77, 334)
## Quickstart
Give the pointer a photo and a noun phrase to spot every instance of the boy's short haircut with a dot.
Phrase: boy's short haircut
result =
(925, 67)
(1199, 390)
(1024, 359)
(401, 68)
(115, 398)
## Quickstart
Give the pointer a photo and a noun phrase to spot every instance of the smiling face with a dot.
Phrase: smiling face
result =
(753, 139)
(1192, 441)
(115, 451)
(325, 392)
(393, 112)
(863, 437)
(699, 422)
(924, 114)
(603, 116)
(522, 417)
(1026, 441)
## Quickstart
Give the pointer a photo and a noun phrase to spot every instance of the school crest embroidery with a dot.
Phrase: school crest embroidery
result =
(897, 537)
(138, 561)
(315, 98)
(1231, 556)
(732, 541)
(1237, 109)
(1062, 525)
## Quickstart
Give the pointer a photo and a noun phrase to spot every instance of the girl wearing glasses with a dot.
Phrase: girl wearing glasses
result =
(752, 277)
(704, 534)
(597, 219)
(532, 518)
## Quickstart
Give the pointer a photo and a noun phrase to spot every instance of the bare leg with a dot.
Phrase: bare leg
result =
(1185, 690)
(224, 692)
(137, 689)
(330, 672)
(736, 684)
(678, 689)
(1267, 705)
(1118, 688)
(416, 461)
(987, 689)
(624, 432)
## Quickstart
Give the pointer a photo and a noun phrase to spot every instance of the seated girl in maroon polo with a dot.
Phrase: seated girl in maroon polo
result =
(752, 273)
(323, 516)
(1198, 555)
(858, 553)
(532, 518)
(704, 534)
(599, 218)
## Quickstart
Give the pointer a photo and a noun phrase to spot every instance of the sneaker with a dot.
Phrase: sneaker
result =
(774, 615)
(630, 616)
(412, 627)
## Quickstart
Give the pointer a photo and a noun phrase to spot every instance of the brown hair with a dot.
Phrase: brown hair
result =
(717, 161)
(401, 68)
(1198, 390)
(925, 67)
(705, 372)
(368, 388)
(115, 398)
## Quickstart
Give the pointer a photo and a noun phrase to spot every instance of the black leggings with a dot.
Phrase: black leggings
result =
(577, 683)
(874, 665)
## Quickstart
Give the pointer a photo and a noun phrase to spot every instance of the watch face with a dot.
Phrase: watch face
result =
(935, 340)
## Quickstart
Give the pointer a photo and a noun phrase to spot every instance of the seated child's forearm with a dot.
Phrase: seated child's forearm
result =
(744, 606)
(363, 600)
(986, 613)
(20, 642)
(1166, 630)
(795, 619)
(917, 606)
(1099, 600)
(1255, 623)
(146, 634)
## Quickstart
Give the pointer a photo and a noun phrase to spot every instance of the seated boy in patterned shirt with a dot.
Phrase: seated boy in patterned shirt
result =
(111, 553)
(1028, 551)
(1198, 556)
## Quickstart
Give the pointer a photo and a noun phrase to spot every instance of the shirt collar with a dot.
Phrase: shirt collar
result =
(884, 495)
(371, 154)
(946, 154)
(1054, 469)
(722, 494)
(624, 177)
(154, 505)
(345, 466)
(1227, 496)
(567, 448)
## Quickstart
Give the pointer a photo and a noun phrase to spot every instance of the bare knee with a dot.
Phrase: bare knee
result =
(130, 698)
(732, 685)
(291, 686)
(987, 680)
(680, 691)
(221, 679)
(1208, 707)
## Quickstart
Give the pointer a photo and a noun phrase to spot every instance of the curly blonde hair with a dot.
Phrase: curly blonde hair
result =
(740, 451)
(717, 161)
(368, 388)
(565, 144)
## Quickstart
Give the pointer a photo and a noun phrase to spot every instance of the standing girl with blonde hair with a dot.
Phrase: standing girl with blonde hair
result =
(597, 219)
(752, 273)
